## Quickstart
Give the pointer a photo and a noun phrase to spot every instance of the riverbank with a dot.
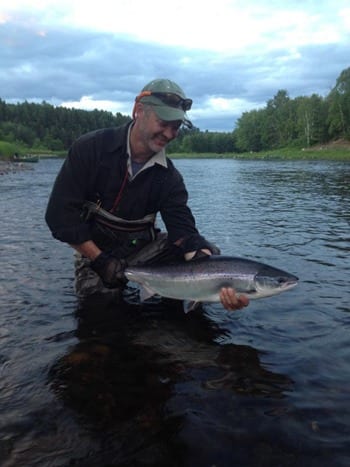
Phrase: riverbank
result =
(331, 151)
(334, 151)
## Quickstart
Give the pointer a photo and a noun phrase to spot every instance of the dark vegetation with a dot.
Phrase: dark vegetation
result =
(302, 122)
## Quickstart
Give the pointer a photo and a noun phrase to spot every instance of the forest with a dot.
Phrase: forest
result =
(299, 122)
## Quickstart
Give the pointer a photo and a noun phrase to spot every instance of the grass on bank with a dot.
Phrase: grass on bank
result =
(326, 152)
(7, 151)
(335, 154)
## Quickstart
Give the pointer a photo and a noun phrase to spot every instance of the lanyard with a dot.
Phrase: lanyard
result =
(119, 195)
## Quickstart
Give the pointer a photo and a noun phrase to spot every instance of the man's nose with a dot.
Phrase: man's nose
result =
(170, 132)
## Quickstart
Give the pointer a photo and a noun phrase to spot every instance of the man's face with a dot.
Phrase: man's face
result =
(156, 133)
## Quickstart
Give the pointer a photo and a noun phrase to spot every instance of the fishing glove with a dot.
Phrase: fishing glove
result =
(215, 250)
(211, 247)
(199, 254)
(110, 269)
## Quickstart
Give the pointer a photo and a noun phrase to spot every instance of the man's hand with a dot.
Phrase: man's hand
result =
(110, 269)
(193, 255)
(228, 297)
(232, 301)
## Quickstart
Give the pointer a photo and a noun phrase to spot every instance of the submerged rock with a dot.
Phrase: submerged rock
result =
(7, 167)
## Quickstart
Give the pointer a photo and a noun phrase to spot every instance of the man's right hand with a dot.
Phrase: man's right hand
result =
(110, 269)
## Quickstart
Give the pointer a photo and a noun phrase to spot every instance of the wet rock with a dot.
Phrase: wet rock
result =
(7, 167)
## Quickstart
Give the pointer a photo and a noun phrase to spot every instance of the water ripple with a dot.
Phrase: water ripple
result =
(168, 388)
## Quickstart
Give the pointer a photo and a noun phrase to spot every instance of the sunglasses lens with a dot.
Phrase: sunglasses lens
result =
(187, 104)
(174, 100)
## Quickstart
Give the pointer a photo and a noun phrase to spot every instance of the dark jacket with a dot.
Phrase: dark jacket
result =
(94, 170)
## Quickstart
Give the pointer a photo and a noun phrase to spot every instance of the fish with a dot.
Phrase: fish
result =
(199, 281)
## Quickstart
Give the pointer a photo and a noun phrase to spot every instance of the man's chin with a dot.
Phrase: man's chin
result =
(158, 145)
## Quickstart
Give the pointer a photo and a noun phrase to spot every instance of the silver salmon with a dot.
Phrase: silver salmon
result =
(201, 280)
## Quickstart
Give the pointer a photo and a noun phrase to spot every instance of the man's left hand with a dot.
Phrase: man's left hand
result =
(228, 297)
(232, 301)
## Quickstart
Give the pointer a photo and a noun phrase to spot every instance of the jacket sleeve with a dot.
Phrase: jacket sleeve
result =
(178, 218)
(70, 190)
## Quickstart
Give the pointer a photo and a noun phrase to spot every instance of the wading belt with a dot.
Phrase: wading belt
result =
(117, 224)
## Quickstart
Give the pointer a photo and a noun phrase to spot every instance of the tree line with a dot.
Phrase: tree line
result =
(283, 122)
(46, 126)
(300, 122)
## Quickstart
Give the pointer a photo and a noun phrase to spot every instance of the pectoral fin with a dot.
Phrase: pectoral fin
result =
(146, 293)
(190, 305)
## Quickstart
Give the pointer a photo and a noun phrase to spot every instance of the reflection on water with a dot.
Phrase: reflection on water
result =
(131, 372)
(126, 385)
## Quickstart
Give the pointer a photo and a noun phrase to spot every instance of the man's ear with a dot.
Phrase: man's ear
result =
(138, 108)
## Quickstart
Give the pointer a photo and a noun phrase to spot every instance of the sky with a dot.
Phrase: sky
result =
(229, 56)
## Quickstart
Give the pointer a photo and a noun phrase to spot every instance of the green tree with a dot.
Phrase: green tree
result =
(311, 120)
(339, 107)
(249, 130)
(280, 123)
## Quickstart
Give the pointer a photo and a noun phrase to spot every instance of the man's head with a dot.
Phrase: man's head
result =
(167, 100)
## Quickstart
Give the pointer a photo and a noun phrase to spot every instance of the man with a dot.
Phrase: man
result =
(111, 186)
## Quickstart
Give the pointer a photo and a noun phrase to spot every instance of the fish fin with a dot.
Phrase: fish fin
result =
(145, 293)
(190, 305)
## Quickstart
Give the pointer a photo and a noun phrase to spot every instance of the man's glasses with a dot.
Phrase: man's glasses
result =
(168, 98)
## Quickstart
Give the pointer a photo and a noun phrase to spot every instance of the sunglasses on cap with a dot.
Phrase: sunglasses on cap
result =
(168, 98)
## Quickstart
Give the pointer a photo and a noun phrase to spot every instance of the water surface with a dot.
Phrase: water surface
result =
(132, 385)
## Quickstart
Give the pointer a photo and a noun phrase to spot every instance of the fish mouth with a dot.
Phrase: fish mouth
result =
(290, 281)
(289, 284)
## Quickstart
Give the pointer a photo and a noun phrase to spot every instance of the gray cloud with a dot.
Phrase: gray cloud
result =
(65, 65)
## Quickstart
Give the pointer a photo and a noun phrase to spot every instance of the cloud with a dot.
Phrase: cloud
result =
(229, 59)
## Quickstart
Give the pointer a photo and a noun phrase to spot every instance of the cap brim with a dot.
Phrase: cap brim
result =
(169, 114)
(165, 112)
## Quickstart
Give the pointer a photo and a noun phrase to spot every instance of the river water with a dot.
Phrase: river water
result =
(135, 385)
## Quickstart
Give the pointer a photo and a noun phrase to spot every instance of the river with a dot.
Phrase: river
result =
(135, 385)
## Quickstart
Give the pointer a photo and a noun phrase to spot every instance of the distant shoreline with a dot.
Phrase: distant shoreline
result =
(336, 151)
(283, 154)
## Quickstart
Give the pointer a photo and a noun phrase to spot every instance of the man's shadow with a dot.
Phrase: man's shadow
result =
(127, 373)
